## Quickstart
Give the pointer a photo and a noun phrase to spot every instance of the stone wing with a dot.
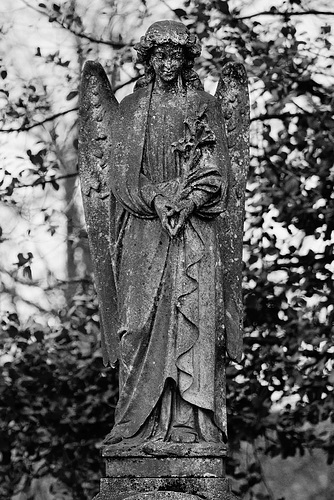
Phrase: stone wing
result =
(97, 114)
(232, 91)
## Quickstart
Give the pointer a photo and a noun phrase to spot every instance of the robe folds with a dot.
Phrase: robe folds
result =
(170, 292)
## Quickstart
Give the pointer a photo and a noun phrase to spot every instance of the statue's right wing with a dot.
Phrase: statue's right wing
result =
(98, 111)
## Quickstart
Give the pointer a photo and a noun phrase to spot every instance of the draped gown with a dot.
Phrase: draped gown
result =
(169, 290)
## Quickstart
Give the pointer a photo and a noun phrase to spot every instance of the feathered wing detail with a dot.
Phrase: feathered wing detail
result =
(232, 91)
(98, 111)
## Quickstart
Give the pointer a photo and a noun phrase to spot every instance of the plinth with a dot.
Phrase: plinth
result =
(165, 471)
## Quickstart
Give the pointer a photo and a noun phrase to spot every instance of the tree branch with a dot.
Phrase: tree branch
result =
(121, 85)
(286, 14)
(87, 280)
(113, 44)
(169, 7)
(25, 128)
(48, 181)
(279, 116)
(262, 474)
(110, 43)
(64, 283)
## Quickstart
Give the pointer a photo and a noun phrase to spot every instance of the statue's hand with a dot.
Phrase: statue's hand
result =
(164, 209)
(180, 214)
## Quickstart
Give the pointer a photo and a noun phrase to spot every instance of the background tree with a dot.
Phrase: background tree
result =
(56, 399)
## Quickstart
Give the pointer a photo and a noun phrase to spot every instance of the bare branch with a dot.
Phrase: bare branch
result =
(48, 181)
(113, 44)
(25, 128)
(169, 7)
(121, 85)
(65, 283)
(279, 116)
(263, 476)
(286, 14)
(87, 280)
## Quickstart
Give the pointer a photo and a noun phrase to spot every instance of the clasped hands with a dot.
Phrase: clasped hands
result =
(173, 215)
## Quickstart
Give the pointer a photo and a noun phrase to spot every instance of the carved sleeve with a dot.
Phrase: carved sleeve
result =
(149, 191)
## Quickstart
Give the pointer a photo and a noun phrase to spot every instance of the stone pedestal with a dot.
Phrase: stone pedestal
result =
(165, 471)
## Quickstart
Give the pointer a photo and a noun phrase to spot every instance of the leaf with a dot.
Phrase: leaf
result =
(22, 260)
(39, 180)
(223, 7)
(39, 335)
(326, 29)
(55, 185)
(180, 13)
(38, 158)
(72, 95)
(27, 272)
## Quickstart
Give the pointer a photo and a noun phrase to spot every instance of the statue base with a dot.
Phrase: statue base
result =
(165, 471)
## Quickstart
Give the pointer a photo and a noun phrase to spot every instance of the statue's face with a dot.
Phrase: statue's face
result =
(167, 61)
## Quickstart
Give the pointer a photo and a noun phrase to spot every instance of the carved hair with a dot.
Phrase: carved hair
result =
(169, 32)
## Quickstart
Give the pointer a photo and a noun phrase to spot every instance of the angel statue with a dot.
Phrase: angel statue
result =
(163, 178)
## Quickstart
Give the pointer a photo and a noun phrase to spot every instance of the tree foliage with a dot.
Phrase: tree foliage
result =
(54, 391)
(57, 401)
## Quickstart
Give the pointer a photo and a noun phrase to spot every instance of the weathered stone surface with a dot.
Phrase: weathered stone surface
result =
(163, 449)
(164, 495)
(169, 274)
(205, 488)
(161, 467)
(165, 460)
(170, 286)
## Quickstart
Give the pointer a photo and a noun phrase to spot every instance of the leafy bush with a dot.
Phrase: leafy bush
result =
(56, 398)
(56, 401)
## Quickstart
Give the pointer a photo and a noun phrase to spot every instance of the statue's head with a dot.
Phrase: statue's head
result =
(172, 40)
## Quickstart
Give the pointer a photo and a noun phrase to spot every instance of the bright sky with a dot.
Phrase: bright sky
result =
(24, 31)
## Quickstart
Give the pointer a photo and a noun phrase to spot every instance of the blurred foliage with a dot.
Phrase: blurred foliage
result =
(56, 399)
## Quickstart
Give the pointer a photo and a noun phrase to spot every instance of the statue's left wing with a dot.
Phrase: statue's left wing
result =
(98, 111)
(232, 91)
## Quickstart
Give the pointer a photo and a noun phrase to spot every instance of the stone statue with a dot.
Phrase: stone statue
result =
(163, 178)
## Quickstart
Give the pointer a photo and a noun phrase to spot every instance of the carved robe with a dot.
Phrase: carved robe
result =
(169, 290)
